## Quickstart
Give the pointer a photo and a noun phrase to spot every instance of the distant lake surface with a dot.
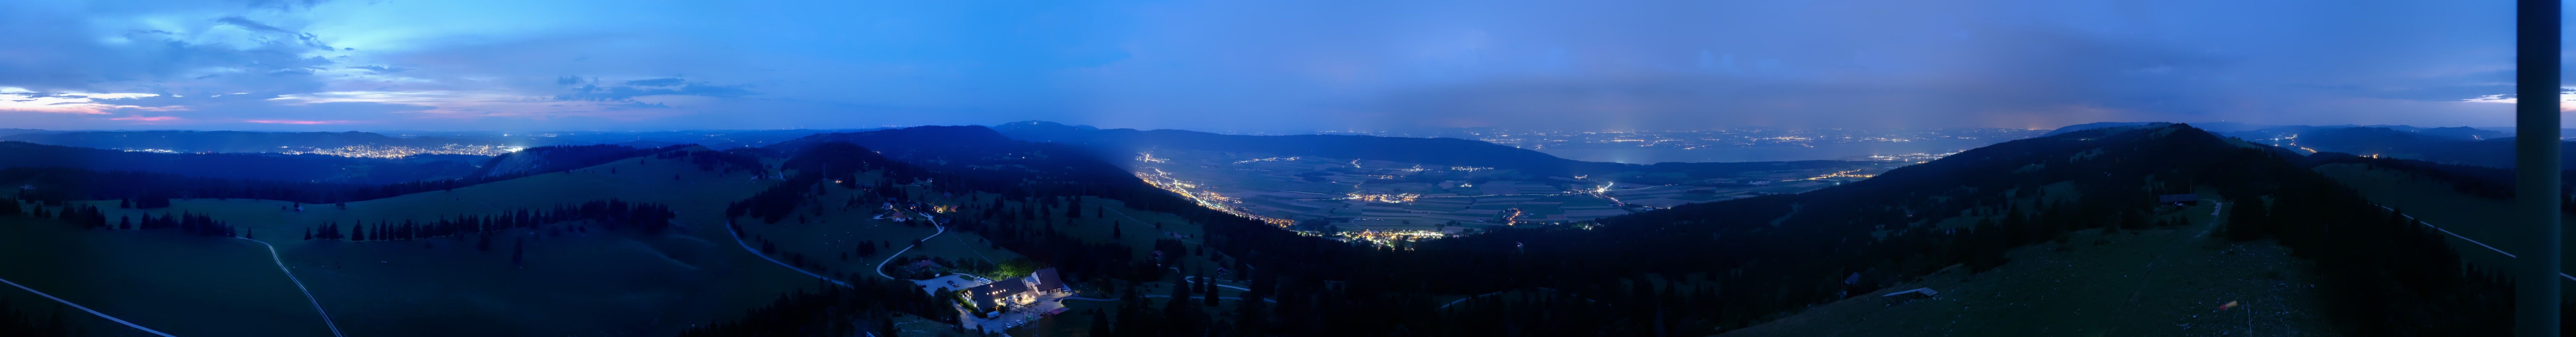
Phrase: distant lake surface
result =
(1837, 151)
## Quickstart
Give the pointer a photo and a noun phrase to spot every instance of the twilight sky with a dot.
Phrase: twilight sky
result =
(1246, 65)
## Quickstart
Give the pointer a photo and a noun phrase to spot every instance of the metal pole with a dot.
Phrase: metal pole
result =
(2536, 166)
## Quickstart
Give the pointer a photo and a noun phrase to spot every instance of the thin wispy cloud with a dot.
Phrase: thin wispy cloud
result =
(145, 118)
(296, 122)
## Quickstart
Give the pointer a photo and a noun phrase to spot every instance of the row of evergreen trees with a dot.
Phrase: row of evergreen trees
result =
(612, 214)
(16, 322)
(868, 306)
(87, 216)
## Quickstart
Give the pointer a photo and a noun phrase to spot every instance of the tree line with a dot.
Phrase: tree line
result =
(612, 214)
(87, 216)
(16, 322)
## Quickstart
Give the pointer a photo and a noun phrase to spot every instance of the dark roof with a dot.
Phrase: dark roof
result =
(980, 294)
(989, 291)
(2173, 198)
(1046, 279)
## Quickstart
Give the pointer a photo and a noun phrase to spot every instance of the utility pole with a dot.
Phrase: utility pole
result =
(2536, 166)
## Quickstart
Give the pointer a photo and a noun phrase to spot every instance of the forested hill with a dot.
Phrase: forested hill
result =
(975, 148)
(974, 158)
(1771, 255)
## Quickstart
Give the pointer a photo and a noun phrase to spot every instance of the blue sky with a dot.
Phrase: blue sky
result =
(1246, 65)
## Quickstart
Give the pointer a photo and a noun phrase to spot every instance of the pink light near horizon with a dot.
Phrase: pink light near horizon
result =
(295, 122)
(145, 119)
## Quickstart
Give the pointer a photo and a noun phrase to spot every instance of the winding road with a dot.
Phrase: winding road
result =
(897, 253)
(746, 247)
(299, 285)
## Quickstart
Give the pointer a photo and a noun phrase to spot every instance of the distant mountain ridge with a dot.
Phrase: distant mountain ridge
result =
(1442, 151)
(2445, 145)
(269, 142)
(224, 141)
(2252, 131)
(251, 166)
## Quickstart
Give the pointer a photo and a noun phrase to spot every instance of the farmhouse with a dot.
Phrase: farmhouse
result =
(1018, 291)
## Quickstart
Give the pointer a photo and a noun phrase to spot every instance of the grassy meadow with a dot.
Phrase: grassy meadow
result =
(570, 282)
(164, 280)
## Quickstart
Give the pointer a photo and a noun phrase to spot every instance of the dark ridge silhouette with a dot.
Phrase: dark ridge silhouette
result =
(226, 141)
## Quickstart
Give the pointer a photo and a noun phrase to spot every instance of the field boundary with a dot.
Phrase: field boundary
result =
(82, 308)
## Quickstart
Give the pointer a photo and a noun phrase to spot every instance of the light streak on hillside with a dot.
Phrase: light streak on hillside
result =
(1149, 158)
(379, 151)
(1396, 198)
(1204, 197)
(1851, 173)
